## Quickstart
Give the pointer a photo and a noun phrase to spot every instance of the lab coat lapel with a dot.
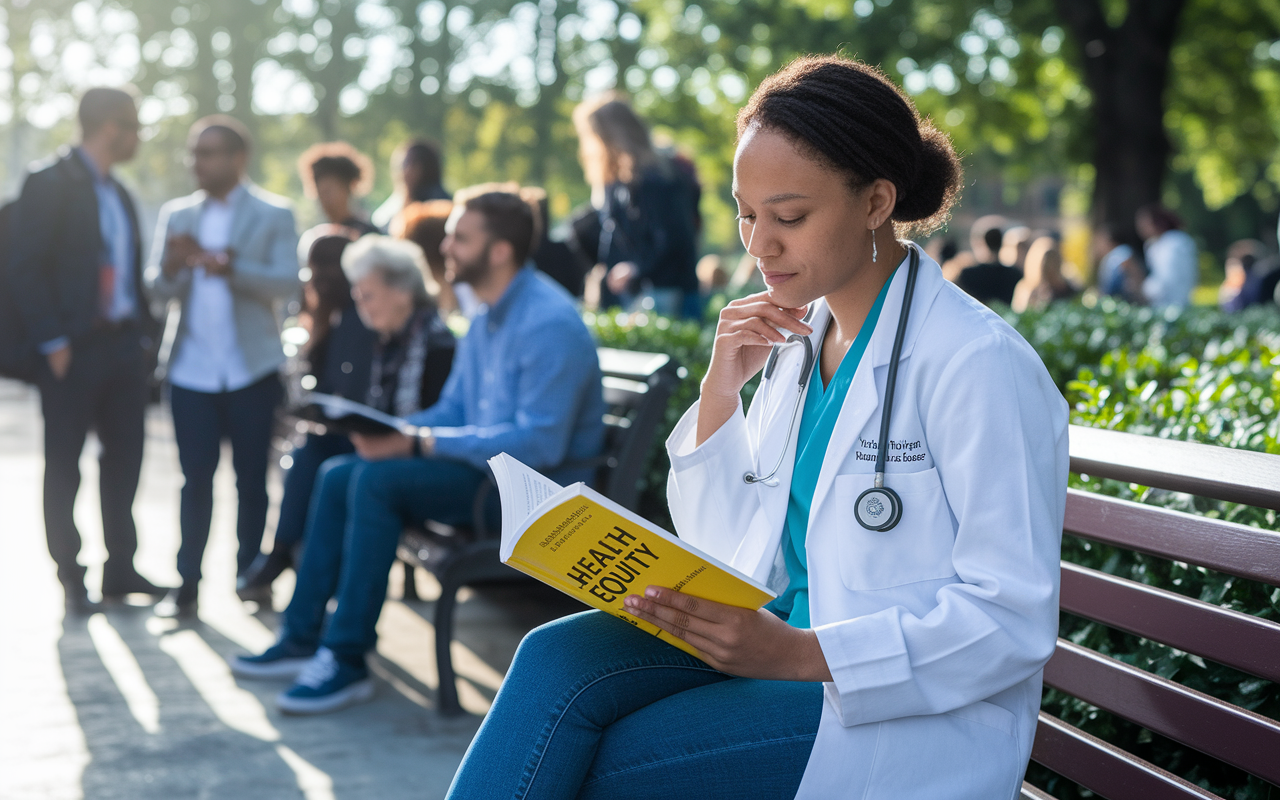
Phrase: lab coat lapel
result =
(867, 389)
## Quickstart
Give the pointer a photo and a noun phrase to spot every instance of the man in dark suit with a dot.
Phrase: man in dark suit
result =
(75, 268)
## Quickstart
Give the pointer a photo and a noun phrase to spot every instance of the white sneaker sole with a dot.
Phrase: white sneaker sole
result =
(359, 692)
(282, 668)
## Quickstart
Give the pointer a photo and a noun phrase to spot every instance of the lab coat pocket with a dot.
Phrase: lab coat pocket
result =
(918, 548)
(968, 754)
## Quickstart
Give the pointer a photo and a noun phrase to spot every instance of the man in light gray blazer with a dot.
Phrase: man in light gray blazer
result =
(228, 256)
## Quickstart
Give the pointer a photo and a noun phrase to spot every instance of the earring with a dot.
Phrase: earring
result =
(873, 245)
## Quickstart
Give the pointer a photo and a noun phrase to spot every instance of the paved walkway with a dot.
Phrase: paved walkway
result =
(126, 705)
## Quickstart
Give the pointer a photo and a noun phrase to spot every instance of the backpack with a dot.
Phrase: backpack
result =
(18, 357)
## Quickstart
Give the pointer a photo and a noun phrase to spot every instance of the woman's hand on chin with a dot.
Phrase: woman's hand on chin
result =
(747, 330)
(738, 641)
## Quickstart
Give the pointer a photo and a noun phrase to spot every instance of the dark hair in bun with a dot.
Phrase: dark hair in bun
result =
(851, 117)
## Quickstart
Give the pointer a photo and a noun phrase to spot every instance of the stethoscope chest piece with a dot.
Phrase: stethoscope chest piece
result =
(878, 508)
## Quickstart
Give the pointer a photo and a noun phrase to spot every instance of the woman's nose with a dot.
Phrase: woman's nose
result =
(759, 243)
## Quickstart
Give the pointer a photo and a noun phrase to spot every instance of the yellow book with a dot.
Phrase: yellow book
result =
(592, 549)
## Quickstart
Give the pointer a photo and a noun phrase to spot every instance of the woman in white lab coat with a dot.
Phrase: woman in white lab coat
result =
(900, 660)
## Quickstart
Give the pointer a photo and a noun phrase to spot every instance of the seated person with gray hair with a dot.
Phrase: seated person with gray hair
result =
(371, 307)
(526, 381)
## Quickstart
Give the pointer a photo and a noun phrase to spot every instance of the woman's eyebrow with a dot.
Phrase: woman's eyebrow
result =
(777, 198)
(781, 198)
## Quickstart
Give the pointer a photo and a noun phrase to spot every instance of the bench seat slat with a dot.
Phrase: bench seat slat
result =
(1104, 769)
(1030, 792)
(1224, 546)
(1226, 732)
(1239, 476)
(1240, 641)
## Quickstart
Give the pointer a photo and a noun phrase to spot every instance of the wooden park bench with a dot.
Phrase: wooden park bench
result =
(1226, 732)
(637, 387)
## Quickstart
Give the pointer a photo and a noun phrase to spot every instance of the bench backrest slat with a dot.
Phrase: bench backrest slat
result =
(1239, 476)
(1247, 643)
(1225, 546)
(1105, 769)
(636, 388)
(1226, 732)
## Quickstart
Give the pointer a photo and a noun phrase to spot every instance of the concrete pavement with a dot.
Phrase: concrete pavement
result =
(125, 705)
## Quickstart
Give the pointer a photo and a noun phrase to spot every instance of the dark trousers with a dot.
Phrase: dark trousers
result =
(201, 420)
(298, 483)
(106, 390)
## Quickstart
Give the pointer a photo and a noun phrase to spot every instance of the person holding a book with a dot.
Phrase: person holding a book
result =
(899, 482)
(525, 380)
(399, 369)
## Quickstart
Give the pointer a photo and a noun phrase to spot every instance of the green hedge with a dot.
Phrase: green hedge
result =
(1199, 375)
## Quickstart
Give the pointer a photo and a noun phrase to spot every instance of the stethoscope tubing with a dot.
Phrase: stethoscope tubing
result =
(891, 380)
(806, 371)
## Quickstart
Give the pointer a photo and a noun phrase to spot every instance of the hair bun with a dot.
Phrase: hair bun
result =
(936, 185)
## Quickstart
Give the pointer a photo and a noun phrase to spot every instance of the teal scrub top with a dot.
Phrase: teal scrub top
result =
(821, 409)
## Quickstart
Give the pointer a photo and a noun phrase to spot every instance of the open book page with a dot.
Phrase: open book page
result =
(335, 407)
(596, 551)
(521, 490)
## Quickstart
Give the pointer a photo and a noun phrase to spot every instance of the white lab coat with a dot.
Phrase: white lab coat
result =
(936, 632)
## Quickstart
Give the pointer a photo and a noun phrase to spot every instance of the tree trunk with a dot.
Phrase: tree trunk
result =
(1126, 70)
(545, 110)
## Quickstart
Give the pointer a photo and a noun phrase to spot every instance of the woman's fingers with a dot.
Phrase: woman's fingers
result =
(774, 315)
(682, 612)
(750, 331)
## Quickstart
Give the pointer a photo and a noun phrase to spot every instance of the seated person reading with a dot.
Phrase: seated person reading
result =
(525, 380)
(387, 326)
(912, 542)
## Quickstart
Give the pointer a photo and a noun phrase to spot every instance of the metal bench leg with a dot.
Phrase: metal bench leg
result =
(410, 582)
(445, 606)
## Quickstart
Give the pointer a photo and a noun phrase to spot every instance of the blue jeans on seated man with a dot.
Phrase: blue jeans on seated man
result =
(358, 509)
(595, 708)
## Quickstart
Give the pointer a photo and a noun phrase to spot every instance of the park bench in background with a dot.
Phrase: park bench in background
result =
(637, 387)
(1251, 645)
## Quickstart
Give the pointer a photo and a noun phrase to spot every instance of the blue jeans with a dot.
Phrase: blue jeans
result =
(594, 708)
(299, 482)
(201, 420)
(358, 509)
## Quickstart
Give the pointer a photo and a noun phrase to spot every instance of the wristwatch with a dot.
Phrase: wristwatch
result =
(419, 436)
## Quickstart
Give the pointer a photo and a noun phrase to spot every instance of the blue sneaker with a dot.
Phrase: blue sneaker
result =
(284, 659)
(326, 684)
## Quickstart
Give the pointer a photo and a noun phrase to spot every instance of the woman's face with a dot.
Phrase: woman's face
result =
(383, 309)
(800, 220)
(335, 198)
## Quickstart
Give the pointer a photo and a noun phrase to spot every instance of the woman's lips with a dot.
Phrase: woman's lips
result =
(776, 278)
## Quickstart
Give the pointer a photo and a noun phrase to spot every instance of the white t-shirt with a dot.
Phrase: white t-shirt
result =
(209, 359)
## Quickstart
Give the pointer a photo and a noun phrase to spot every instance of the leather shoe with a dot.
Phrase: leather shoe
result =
(78, 602)
(179, 603)
(255, 583)
(132, 584)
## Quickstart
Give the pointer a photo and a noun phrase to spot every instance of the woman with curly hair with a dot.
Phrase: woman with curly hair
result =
(335, 174)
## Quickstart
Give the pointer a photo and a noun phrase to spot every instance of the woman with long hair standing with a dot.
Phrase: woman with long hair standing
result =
(648, 207)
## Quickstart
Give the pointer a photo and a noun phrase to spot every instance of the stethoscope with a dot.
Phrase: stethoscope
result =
(878, 508)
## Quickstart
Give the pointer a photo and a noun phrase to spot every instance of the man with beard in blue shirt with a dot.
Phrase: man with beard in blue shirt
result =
(525, 381)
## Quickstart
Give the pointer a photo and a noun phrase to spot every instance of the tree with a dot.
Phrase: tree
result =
(1119, 92)
(1126, 68)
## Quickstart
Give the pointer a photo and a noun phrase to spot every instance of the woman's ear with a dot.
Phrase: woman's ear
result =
(882, 198)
